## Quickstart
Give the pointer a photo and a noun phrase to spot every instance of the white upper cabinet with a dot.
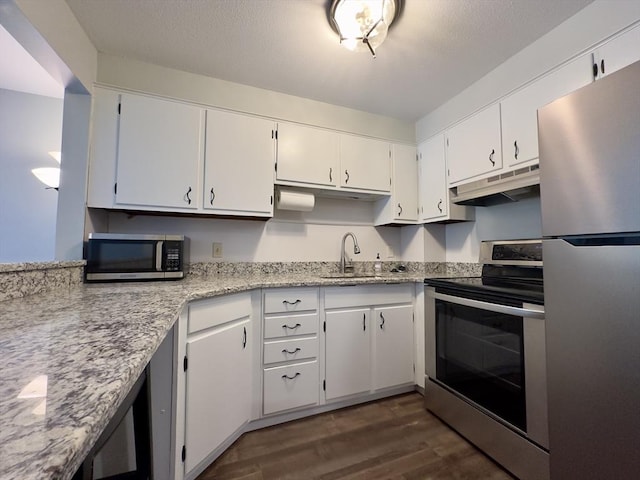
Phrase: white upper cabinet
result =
(520, 110)
(435, 204)
(307, 155)
(160, 151)
(239, 163)
(434, 193)
(365, 164)
(402, 206)
(617, 53)
(473, 146)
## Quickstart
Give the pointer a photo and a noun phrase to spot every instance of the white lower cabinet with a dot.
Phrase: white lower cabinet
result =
(290, 349)
(366, 348)
(348, 352)
(393, 351)
(368, 339)
(218, 379)
(290, 386)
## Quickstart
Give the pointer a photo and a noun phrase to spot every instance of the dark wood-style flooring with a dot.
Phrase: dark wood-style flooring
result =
(394, 438)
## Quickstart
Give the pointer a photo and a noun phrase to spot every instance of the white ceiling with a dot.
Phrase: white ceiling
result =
(434, 51)
(19, 71)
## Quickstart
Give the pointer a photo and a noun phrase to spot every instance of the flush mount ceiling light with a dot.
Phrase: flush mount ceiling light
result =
(363, 24)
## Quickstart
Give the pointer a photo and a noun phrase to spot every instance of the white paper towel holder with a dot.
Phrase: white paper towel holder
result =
(294, 200)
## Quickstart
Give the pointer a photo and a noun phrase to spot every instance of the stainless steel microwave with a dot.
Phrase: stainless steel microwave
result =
(120, 257)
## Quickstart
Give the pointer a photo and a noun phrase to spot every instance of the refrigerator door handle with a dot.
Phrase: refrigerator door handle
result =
(617, 240)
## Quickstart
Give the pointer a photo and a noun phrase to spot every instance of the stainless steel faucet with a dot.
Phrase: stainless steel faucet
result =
(346, 265)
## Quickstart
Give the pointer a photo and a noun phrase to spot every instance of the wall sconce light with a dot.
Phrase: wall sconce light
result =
(363, 24)
(50, 176)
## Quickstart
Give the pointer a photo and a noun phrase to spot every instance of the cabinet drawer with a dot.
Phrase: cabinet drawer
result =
(288, 350)
(290, 300)
(290, 386)
(290, 325)
(205, 314)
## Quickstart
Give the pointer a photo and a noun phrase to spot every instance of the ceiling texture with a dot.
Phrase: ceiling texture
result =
(434, 50)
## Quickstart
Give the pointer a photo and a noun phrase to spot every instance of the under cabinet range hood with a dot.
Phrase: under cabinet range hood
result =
(504, 188)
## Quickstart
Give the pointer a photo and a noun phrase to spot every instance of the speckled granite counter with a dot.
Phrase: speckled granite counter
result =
(69, 358)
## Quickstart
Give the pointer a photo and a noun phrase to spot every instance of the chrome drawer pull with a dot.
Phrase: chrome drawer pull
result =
(291, 352)
(291, 328)
(287, 377)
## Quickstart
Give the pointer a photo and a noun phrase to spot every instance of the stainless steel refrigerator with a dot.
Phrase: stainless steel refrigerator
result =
(590, 194)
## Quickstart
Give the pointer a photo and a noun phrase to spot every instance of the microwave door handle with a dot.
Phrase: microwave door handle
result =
(492, 307)
(159, 248)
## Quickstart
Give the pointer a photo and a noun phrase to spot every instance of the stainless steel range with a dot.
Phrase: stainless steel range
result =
(485, 356)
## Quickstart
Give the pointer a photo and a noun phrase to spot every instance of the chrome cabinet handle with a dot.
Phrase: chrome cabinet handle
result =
(382, 322)
(291, 352)
(491, 157)
(595, 70)
(187, 196)
(346, 172)
(517, 151)
(364, 322)
(399, 209)
(331, 174)
(287, 377)
(440, 205)
(213, 196)
(287, 302)
(602, 66)
(244, 337)
(291, 328)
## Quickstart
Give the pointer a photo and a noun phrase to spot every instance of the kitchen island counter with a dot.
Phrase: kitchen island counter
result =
(69, 358)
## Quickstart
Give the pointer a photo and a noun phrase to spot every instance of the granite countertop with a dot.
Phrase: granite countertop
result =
(69, 359)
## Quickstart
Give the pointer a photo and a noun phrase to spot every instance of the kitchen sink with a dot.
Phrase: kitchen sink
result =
(350, 275)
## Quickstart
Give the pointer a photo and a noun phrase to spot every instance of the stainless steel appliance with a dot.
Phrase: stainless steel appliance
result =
(118, 257)
(485, 356)
(590, 192)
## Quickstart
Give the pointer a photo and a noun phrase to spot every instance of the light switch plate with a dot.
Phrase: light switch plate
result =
(217, 250)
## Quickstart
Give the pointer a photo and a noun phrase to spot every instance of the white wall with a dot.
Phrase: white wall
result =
(512, 221)
(168, 82)
(30, 127)
(62, 46)
(579, 34)
(289, 236)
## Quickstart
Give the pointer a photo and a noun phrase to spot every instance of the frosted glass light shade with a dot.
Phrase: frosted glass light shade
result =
(363, 24)
(50, 176)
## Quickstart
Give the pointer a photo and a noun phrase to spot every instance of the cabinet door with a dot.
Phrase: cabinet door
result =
(239, 161)
(393, 355)
(617, 53)
(159, 153)
(365, 163)
(473, 146)
(307, 155)
(405, 182)
(520, 110)
(434, 194)
(218, 399)
(347, 353)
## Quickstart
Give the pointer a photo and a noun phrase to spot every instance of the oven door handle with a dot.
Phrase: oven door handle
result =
(492, 307)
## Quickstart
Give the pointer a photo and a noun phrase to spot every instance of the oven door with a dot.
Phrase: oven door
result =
(491, 355)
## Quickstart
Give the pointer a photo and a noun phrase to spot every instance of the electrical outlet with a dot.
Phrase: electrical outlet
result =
(217, 250)
(390, 252)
